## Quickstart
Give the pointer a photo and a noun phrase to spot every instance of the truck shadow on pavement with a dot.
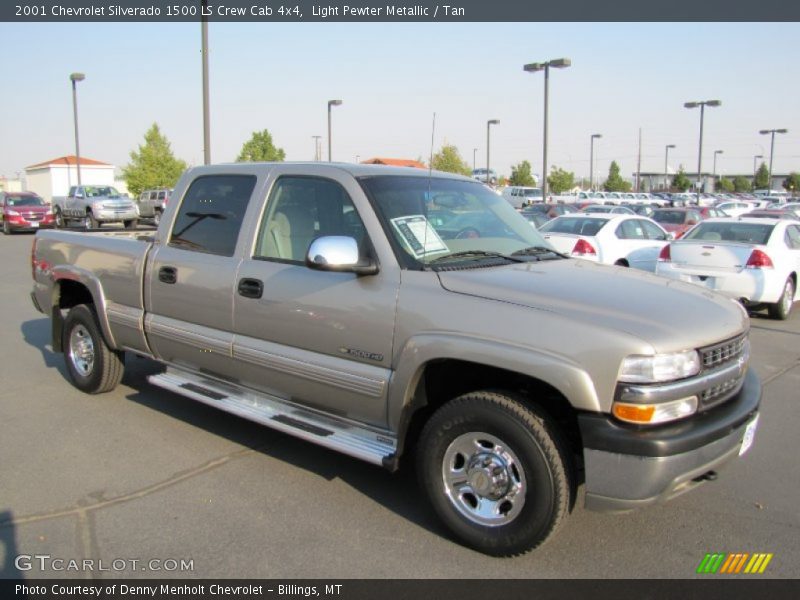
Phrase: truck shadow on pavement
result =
(8, 546)
(37, 334)
(397, 492)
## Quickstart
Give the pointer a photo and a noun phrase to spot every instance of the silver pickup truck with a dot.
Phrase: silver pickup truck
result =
(93, 205)
(374, 310)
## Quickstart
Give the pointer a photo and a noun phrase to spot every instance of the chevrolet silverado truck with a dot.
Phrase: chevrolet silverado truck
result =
(378, 311)
(93, 205)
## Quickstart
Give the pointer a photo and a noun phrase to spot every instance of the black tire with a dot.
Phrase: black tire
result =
(93, 367)
(622, 263)
(90, 222)
(6, 228)
(783, 307)
(61, 222)
(157, 218)
(131, 224)
(529, 490)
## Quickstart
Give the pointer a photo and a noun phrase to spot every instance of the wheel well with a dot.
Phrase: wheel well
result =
(66, 294)
(622, 263)
(447, 379)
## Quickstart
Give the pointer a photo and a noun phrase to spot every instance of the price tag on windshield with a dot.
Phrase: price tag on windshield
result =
(418, 234)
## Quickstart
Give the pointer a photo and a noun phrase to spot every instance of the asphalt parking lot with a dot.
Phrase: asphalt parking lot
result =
(140, 474)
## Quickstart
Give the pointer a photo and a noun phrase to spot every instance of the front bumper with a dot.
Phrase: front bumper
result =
(108, 214)
(627, 468)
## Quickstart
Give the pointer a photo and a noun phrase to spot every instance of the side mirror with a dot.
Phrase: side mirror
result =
(670, 235)
(338, 253)
(78, 195)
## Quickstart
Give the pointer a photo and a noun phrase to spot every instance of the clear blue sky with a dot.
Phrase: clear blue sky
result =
(393, 77)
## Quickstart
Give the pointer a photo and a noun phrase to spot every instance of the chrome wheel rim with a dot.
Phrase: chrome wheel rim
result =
(788, 292)
(484, 479)
(81, 350)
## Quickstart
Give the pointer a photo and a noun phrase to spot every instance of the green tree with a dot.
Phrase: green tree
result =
(154, 165)
(681, 182)
(449, 160)
(560, 180)
(741, 184)
(260, 148)
(725, 185)
(521, 175)
(762, 178)
(615, 182)
(792, 183)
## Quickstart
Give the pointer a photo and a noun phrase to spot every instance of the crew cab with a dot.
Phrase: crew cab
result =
(319, 300)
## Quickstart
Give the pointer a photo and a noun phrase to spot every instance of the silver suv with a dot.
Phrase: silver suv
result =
(152, 203)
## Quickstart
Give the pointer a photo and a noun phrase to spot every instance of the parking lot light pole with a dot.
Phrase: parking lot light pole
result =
(75, 78)
(756, 157)
(666, 167)
(591, 159)
(331, 103)
(488, 129)
(558, 63)
(474, 154)
(702, 105)
(771, 151)
(714, 171)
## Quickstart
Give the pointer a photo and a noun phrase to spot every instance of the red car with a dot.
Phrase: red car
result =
(24, 211)
(677, 220)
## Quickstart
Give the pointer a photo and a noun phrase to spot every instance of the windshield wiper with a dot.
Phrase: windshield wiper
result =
(475, 254)
(537, 250)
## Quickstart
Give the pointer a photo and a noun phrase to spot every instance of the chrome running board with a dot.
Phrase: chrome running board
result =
(371, 445)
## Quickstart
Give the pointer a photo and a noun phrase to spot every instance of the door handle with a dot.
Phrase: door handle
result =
(251, 288)
(168, 275)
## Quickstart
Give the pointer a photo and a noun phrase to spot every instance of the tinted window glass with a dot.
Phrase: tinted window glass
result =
(211, 214)
(631, 230)
(575, 225)
(733, 231)
(652, 231)
(793, 237)
(301, 209)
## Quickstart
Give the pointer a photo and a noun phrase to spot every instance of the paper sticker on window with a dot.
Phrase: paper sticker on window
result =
(418, 234)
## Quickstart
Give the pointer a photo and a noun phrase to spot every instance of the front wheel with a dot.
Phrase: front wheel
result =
(131, 224)
(6, 228)
(496, 472)
(93, 366)
(61, 222)
(783, 307)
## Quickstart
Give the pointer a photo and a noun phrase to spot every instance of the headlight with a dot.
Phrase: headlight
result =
(12, 213)
(658, 368)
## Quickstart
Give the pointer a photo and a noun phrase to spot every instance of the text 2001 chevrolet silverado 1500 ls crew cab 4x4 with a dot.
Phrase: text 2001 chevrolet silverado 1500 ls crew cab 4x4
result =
(372, 309)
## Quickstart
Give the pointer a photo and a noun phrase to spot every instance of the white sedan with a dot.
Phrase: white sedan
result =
(625, 240)
(736, 208)
(756, 261)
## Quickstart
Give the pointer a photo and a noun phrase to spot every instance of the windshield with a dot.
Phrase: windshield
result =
(731, 231)
(432, 219)
(588, 226)
(670, 217)
(98, 191)
(24, 201)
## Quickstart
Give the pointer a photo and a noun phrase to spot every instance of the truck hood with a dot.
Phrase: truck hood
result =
(670, 315)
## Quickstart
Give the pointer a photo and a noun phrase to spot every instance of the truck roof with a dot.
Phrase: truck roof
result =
(356, 170)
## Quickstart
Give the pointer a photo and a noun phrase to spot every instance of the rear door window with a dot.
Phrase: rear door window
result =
(211, 214)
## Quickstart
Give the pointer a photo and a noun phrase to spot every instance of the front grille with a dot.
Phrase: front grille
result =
(719, 354)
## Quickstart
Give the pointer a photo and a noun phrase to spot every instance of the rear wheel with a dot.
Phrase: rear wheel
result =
(131, 224)
(90, 222)
(93, 366)
(495, 472)
(783, 307)
(157, 218)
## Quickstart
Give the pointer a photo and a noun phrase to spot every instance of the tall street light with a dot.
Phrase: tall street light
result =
(756, 157)
(331, 103)
(558, 63)
(474, 154)
(206, 101)
(666, 167)
(488, 127)
(317, 152)
(771, 150)
(714, 171)
(591, 159)
(702, 105)
(75, 78)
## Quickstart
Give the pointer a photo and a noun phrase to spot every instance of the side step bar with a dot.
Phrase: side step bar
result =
(374, 446)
